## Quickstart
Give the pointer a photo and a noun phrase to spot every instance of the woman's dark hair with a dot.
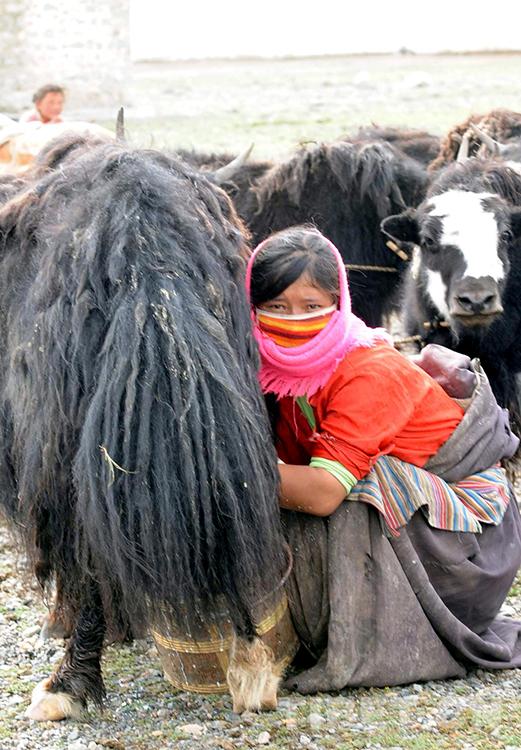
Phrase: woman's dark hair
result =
(49, 88)
(286, 256)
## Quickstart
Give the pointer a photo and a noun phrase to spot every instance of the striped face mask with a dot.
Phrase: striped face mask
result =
(293, 330)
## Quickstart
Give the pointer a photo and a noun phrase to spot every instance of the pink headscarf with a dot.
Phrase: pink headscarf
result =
(302, 370)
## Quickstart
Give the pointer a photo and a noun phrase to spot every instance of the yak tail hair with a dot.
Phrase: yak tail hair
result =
(141, 442)
(253, 675)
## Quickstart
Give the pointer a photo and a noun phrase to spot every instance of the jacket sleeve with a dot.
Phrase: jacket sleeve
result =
(362, 418)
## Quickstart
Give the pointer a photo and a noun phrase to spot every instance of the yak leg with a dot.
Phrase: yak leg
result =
(57, 624)
(253, 675)
(78, 677)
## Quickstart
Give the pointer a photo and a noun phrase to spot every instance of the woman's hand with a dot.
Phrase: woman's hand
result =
(310, 490)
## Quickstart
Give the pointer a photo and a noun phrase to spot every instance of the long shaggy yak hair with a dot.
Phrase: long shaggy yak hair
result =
(502, 125)
(345, 189)
(135, 446)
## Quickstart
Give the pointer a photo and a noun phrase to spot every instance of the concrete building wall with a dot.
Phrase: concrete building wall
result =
(80, 44)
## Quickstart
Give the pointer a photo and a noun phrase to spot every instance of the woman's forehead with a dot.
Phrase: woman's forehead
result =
(304, 285)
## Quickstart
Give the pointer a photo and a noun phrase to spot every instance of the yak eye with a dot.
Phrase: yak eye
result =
(429, 244)
(507, 236)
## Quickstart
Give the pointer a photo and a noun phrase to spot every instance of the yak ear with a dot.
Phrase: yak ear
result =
(515, 222)
(402, 227)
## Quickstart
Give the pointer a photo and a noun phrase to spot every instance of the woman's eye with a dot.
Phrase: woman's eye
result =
(276, 307)
(507, 236)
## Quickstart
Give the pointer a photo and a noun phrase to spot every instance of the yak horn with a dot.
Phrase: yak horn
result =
(224, 174)
(120, 126)
(493, 146)
(463, 151)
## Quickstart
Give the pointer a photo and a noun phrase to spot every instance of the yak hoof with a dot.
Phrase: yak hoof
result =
(48, 706)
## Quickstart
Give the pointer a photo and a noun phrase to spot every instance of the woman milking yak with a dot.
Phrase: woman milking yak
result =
(137, 459)
(405, 532)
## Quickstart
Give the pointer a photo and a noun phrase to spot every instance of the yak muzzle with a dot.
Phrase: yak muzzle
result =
(475, 302)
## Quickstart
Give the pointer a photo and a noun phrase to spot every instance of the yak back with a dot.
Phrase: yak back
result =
(480, 175)
(503, 125)
(419, 145)
(68, 146)
(135, 444)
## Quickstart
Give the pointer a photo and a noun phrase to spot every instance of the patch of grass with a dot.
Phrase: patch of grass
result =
(224, 105)
(516, 587)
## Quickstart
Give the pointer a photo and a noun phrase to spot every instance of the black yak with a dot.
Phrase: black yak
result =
(237, 175)
(135, 455)
(345, 190)
(464, 285)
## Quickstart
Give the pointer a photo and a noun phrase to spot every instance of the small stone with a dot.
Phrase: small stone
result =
(73, 735)
(315, 720)
(222, 744)
(92, 745)
(448, 713)
(304, 740)
(263, 738)
(218, 724)
(29, 632)
(77, 745)
(194, 730)
(232, 718)
(14, 700)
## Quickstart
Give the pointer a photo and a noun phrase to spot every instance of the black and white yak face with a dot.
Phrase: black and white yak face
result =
(462, 256)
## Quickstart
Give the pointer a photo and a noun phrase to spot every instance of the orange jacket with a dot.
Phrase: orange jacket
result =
(376, 403)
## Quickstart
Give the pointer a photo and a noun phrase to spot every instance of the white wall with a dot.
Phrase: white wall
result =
(81, 44)
(162, 29)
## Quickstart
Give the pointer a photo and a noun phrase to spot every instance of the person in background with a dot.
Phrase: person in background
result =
(48, 105)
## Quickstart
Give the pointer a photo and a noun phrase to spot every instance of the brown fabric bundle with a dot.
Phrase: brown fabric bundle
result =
(378, 611)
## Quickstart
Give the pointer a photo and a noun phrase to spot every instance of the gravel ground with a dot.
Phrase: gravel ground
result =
(144, 712)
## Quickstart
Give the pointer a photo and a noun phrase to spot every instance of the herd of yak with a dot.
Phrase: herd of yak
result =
(135, 457)
(448, 266)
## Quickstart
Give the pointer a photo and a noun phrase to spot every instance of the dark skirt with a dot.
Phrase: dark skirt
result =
(375, 610)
